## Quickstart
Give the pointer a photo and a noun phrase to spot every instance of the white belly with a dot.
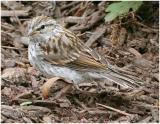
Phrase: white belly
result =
(52, 70)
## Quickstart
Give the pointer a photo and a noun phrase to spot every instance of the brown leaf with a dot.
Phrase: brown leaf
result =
(50, 83)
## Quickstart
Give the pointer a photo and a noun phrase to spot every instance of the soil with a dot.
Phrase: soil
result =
(130, 41)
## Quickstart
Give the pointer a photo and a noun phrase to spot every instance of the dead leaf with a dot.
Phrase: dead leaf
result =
(50, 83)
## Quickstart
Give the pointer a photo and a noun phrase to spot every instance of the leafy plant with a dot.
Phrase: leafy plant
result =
(116, 9)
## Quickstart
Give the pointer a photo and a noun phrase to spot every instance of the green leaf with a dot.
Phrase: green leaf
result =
(116, 9)
(26, 103)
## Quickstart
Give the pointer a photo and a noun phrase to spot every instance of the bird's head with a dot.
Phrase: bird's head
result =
(41, 25)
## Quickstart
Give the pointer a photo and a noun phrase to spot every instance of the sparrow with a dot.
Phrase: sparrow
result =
(56, 51)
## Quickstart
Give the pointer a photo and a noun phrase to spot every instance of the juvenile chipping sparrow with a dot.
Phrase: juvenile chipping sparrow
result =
(56, 51)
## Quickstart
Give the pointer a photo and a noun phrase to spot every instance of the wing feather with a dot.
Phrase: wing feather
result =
(69, 50)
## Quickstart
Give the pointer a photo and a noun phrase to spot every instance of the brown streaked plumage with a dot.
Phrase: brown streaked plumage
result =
(57, 51)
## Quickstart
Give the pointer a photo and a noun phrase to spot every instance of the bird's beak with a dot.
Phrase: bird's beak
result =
(31, 32)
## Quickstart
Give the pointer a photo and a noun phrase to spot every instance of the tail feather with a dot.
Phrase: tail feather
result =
(121, 78)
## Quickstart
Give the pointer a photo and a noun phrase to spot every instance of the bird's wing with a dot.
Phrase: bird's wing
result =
(69, 50)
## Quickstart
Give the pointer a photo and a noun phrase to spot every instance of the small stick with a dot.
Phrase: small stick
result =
(74, 19)
(81, 104)
(74, 9)
(97, 34)
(63, 91)
(69, 5)
(95, 17)
(114, 109)
(149, 28)
(9, 27)
(22, 29)
(8, 47)
(7, 13)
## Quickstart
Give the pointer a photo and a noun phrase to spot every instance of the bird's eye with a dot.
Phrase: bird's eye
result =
(40, 28)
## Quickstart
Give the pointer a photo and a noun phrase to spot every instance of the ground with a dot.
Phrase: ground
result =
(130, 42)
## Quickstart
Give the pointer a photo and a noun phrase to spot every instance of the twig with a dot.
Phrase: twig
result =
(25, 95)
(6, 33)
(74, 19)
(69, 5)
(8, 47)
(95, 17)
(114, 109)
(63, 91)
(7, 13)
(20, 25)
(81, 104)
(149, 28)
(74, 9)
(144, 105)
(7, 26)
(97, 34)
(89, 110)
(147, 119)
(13, 5)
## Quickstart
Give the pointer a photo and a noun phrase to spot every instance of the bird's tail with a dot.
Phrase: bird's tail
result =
(121, 77)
